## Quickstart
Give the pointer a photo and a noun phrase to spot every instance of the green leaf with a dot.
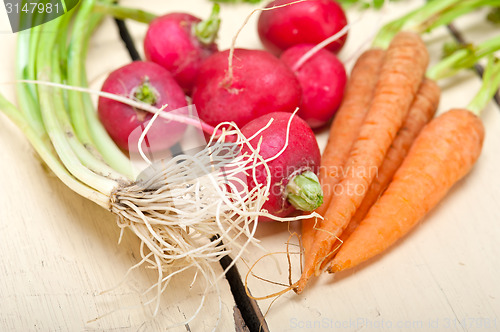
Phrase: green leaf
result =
(378, 4)
(363, 4)
(451, 47)
(206, 31)
(237, 1)
(494, 15)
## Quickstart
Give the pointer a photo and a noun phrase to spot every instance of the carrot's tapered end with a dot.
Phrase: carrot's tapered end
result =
(303, 280)
(315, 261)
(339, 263)
(309, 270)
(334, 268)
(312, 267)
(300, 285)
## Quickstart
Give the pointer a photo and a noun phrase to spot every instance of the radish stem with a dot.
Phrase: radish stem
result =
(304, 191)
(124, 12)
(463, 58)
(428, 17)
(206, 31)
(490, 85)
(75, 49)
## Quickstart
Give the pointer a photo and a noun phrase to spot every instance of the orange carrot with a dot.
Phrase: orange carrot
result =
(421, 112)
(443, 153)
(402, 72)
(345, 130)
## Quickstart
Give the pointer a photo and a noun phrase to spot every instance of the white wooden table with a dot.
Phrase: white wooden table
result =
(58, 251)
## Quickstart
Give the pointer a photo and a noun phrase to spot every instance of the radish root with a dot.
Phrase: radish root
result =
(320, 46)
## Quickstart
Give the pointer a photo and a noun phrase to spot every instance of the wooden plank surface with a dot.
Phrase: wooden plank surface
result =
(59, 251)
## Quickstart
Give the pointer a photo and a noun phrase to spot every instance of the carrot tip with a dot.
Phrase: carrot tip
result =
(334, 268)
(301, 284)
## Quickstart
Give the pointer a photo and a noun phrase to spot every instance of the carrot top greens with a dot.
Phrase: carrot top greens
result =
(433, 14)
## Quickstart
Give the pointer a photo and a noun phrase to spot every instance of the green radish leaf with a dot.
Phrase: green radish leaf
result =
(494, 15)
(363, 4)
(451, 47)
(377, 4)
(237, 1)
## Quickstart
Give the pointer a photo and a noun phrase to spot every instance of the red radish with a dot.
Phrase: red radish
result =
(260, 83)
(149, 83)
(179, 42)
(309, 22)
(294, 184)
(322, 78)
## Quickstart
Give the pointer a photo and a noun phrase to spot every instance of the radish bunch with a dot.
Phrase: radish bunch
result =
(249, 88)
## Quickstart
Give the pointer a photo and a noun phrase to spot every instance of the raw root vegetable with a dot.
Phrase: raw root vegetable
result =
(292, 160)
(443, 153)
(401, 74)
(308, 22)
(322, 79)
(344, 131)
(151, 84)
(180, 42)
(421, 112)
(258, 84)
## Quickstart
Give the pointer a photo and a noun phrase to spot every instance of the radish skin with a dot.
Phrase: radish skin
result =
(310, 22)
(300, 156)
(149, 83)
(322, 78)
(174, 42)
(260, 84)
